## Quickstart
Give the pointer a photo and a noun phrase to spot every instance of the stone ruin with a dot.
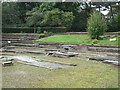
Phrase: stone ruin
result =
(106, 59)
(62, 54)
(7, 61)
(82, 48)
(60, 50)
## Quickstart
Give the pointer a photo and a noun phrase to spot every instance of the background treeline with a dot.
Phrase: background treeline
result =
(53, 17)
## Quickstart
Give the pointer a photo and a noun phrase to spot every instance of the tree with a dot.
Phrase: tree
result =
(96, 25)
(10, 14)
(36, 15)
(24, 7)
(67, 19)
(117, 21)
(78, 23)
(114, 23)
(52, 18)
(57, 18)
(14, 13)
(81, 12)
(48, 16)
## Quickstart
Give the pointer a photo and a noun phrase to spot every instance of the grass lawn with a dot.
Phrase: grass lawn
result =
(77, 39)
(87, 74)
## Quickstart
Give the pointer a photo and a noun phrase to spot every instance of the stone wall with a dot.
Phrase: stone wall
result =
(19, 37)
(83, 48)
(81, 33)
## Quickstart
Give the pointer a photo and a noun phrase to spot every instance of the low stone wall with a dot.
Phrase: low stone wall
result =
(26, 38)
(18, 36)
(83, 48)
(107, 33)
(103, 49)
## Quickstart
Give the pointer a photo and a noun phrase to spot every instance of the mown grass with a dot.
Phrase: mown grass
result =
(77, 39)
(87, 74)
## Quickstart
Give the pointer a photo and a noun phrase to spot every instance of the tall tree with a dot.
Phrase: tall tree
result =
(14, 13)
(10, 14)
(81, 12)
(49, 16)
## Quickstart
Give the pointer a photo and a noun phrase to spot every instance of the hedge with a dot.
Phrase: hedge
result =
(18, 30)
(51, 29)
(33, 30)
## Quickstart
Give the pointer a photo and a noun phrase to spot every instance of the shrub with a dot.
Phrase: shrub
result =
(51, 29)
(96, 25)
(95, 41)
(45, 32)
(17, 30)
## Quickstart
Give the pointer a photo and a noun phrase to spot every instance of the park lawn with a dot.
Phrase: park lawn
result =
(77, 39)
(87, 74)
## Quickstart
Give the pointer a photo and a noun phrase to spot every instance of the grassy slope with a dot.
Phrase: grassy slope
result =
(76, 39)
(87, 74)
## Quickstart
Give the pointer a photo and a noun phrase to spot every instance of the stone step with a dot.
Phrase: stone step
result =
(103, 49)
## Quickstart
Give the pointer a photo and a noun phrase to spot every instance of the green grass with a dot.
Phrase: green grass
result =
(87, 74)
(77, 39)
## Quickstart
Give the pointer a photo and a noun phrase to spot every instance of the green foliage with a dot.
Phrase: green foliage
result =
(52, 18)
(14, 13)
(72, 15)
(96, 25)
(95, 41)
(117, 20)
(51, 29)
(46, 7)
(36, 15)
(41, 16)
(80, 16)
(45, 32)
(34, 19)
(67, 19)
(57, 18)
(114, 24)
(10, 14)
(17, 30)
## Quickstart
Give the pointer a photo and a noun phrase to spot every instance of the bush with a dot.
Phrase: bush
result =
(18, 30)
(51, 29)
(95, 41)
(96, 25)
(112, 26)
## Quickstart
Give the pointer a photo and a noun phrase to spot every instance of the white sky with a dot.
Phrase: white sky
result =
(104, 12)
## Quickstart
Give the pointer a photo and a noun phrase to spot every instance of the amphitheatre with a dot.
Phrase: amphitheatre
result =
(58, 59)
